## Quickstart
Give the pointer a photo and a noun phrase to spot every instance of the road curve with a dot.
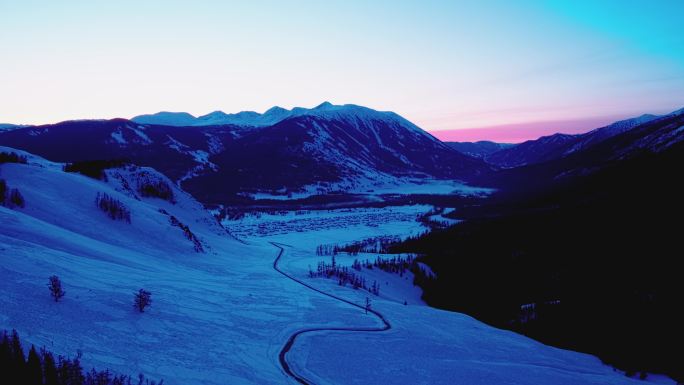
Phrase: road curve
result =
(288, 345)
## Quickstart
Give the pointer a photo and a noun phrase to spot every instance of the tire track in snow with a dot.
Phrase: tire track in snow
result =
(288, 345)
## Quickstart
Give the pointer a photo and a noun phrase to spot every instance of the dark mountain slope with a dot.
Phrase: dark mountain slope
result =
(480, 150)
(557, 146)
(654, 136)
(172, 150)
(308, 150)
(587, 262)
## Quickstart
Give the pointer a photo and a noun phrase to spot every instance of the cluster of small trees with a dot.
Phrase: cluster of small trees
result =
(186, 230)
(12, 157)
(397, 265)
(93, 168)
(114, 208)
(344, 276)
(10, 197)
(152, 186)
(368, 245)
(41, 367)
(142, 299)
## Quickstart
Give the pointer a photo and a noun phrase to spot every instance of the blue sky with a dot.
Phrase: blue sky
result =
(443, 64)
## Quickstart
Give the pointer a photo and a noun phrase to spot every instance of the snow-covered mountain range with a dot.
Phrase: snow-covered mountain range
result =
(327, 148)
(253, 119)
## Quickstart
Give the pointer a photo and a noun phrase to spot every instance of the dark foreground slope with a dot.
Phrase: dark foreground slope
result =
(588, 262)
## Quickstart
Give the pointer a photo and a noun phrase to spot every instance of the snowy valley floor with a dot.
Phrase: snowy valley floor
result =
(424, 345)
(223, 316)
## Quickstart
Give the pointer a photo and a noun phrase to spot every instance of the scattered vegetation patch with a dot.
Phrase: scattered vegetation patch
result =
(344, 276)
(114, 208)
(395, 265)
(368, 245)
(42, 368)
(186, 230)
(12, 157)
(10, 197)
(94, 168)
(150, 185)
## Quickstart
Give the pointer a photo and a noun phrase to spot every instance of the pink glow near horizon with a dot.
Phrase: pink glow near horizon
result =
(520, 132)
(463, 70)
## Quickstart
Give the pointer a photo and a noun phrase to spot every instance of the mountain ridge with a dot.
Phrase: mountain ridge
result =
(271, 116)
(558, 145)
(326, 148)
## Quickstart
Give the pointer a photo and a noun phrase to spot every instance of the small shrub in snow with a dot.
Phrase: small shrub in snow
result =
(142, 300)
(114, 208)
(55, 286)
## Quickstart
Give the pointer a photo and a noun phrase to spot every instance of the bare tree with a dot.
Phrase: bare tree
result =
(143, 299)
(55, 287)
(368, 304)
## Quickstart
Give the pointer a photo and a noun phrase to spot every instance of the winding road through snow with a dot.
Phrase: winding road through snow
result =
(282, 357)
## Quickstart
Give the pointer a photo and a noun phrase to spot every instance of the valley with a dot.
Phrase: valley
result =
(271, 284)
(341, 192)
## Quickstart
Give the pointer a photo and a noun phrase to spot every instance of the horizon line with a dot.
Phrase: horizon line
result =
(510, 133)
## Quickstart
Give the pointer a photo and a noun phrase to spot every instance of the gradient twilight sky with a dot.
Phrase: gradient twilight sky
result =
(501, 70)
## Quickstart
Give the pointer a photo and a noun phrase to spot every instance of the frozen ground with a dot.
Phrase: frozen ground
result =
(378, 185)
(222, 317)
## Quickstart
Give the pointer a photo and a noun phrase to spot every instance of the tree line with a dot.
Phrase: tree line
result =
(344, 275)
(369, 245)
(94, 168)
(186, 231)
(12, 157)
(40, 367)
(114, 208)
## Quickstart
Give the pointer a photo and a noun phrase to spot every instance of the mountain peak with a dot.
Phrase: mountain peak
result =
(324, 105)
(215, 114)
(166, 118)
(274, 110)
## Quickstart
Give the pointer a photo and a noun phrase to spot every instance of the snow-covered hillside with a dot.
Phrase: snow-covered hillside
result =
(223, 315)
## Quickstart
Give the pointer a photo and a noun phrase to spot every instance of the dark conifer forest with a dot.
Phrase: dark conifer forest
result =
(41, 367)
(589, 264)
